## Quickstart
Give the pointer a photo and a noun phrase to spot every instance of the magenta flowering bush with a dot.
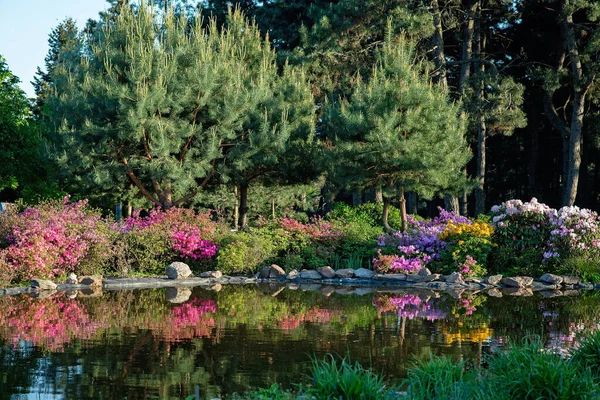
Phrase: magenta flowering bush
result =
(147, 244)
(54, 239)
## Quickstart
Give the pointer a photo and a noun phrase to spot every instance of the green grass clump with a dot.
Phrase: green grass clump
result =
(347, 380)
(587, 355)
(439, 378)
(529, 371)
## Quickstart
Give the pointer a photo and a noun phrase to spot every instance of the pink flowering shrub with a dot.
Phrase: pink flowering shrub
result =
(147, 244)
(55, 238)
(409, 262)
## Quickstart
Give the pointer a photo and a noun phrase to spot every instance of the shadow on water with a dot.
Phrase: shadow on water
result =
(161, 343)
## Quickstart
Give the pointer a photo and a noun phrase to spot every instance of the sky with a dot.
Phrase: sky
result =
(25, 26)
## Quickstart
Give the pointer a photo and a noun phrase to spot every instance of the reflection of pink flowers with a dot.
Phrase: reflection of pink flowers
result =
(289, 322)
(411, 306)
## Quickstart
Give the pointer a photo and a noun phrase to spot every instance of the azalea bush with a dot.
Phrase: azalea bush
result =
(55, 238)
(147, 244)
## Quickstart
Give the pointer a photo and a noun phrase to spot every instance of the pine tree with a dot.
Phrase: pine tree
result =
(153, 104)
(399, 131)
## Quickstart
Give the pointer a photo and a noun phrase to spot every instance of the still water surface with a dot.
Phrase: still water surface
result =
(140, 345)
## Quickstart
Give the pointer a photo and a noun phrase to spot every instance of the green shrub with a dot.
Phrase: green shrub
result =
(344, 381)
(513, 262)
(582, 265)
(244, 253)
(529, 371)
(144, 252)
(439, 378)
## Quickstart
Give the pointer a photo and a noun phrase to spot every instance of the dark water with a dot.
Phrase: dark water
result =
(138, 345)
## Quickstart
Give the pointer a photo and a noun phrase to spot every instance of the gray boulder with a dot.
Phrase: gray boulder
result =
(455, 278)
(551, 279)
(327, 272)
(178, 295)
(570, 280)
(493, 280)
(72, 279)
(424, 272)
(178, 270)
(310, 274)
(210, 274)
(272, 271)
(43, 284)
(91, 280)
(293, 274)
(364, 273)
(345, 273)
(390, 277)
(518, 281)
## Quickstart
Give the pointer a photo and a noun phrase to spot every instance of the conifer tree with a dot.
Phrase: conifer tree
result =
(399, 131)
(156, 103)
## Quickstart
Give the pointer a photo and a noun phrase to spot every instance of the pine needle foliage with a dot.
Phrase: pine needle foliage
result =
(155, 103)
(398, 129)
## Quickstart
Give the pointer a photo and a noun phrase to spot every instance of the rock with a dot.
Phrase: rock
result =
(587, 286)
(44, 294)
(92, 291)
(571, 292)
(551, 293)
(364, 273)
(570, 280)
(72, 279)
(178, 270)
(293, 286)
(327, 272)
(517, 281)
(518, 291)
(345, 290)
(207, 274)
(455, 293)
(424, 272)
(544, 286)
(272, 271)
(493, 279)
(345, 273)
(415, 278)
(216, 287)
(327, 290)
(433, 277)
(474, 280)
(236, 280)
(362, 291)
(293, 274)
(43, 284)
(310, 274)
(71, 294)
(455, 278)
(310, 287)
(551, 278)
(178, 295)
(389, 277)
(91, 280)
(494, 292)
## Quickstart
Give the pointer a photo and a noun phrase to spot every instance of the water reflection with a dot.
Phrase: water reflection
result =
(160, 343)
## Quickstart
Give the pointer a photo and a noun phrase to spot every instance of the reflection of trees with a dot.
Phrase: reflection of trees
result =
(137, 345)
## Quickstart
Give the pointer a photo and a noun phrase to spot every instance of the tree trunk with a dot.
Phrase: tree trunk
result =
(439, 58)
(243, 218)
(356, 199)
(236, 208)
(386, 212)
(411, 202)
(403, 211)
(463, 202)
(378, 194)
(467, 46)
(451, 203)
(479, 44)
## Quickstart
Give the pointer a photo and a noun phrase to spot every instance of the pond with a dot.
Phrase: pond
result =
(161, 344)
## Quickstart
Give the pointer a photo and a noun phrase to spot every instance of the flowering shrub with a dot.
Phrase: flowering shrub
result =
(565, 240)
(148, 243)
(409, 306)
(55, 238)
(442, 244)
